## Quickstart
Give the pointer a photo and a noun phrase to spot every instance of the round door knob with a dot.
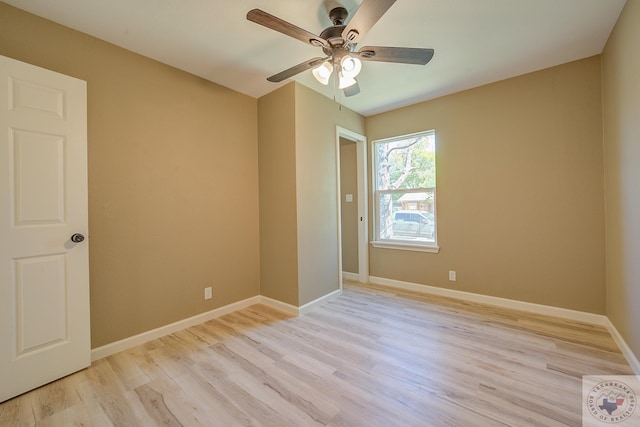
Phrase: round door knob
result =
(77, 238)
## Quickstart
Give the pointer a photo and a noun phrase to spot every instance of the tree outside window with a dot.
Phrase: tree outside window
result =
(405, 174)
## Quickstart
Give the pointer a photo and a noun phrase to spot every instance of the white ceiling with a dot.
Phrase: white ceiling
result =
(476, 41)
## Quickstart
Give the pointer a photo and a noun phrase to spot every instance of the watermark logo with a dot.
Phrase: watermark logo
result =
(610, 400)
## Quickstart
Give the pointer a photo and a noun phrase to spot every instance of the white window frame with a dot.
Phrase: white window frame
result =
(410, 245)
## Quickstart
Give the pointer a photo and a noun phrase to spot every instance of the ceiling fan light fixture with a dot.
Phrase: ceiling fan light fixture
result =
(350, 66)
(345, 81)
(338, 43)
(322, 73)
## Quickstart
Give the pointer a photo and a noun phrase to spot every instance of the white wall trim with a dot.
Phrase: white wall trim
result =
(362, 152)
(304, 309)
(127, 343)
(279, 305)
(405, 246)
(597, 319)
(547, 310)
(580, 316)
(624, 348)
(354, 277)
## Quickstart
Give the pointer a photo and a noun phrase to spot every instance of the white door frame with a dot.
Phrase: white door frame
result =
(363, 223)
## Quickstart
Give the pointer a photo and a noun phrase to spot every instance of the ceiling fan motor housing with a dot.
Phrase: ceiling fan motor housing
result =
(333, 35)
(338, 15)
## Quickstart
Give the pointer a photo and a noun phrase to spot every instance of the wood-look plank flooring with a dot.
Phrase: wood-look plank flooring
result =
(372, 357)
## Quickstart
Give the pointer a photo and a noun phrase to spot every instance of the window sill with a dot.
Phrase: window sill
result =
(406, 246)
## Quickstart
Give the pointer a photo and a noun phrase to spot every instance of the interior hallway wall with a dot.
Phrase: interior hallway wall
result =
(349, 210)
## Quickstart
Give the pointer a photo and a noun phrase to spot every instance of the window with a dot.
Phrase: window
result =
(405, 192)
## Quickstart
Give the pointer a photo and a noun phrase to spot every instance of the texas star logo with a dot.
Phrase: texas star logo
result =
(611, 401)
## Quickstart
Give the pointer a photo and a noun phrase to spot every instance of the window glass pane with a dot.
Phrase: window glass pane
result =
(385, 208)
(405, 186)
(413, 222)
(406, 163)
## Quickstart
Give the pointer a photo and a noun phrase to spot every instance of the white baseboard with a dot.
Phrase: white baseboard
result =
(315, 303)
(624, 348)
(279, 305)
(355, 277)
(580, 316)
(530, 307)
(597, 319)
(127, 343)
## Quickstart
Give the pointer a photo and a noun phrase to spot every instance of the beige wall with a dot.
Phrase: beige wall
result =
(520, 184)
(520, 189)
(173, 180)
(298, 192)
(621, 82)
(349, 210)
(317, 190)
(278, 219)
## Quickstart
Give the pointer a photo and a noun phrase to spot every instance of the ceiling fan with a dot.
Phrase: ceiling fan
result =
(338, 42)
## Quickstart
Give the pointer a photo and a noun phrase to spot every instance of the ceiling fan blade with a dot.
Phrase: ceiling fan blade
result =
(369, 12)
(351, 90)
(273, 22)
(290, 72)
(403, 55)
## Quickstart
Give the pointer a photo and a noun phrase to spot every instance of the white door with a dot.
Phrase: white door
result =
(44, 276)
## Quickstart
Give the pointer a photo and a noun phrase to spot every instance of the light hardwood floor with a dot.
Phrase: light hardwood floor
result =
(372, 357)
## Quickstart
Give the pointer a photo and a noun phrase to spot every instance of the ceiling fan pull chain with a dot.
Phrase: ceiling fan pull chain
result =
(336, 91)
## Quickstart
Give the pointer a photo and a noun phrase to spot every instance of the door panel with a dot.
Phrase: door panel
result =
(44, 277)
(36, 97)
(38, 177)
(40, 303)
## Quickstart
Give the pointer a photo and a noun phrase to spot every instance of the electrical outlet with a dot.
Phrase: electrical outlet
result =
(452, 275)
(207, 293)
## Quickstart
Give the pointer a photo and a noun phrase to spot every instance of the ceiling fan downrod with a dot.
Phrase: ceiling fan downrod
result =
(338, 15)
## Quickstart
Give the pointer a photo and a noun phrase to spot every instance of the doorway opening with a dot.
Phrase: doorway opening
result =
(353, 228)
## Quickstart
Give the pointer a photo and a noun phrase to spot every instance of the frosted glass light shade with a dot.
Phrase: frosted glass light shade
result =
(345, 81)
(322, 73)
(351, 66)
